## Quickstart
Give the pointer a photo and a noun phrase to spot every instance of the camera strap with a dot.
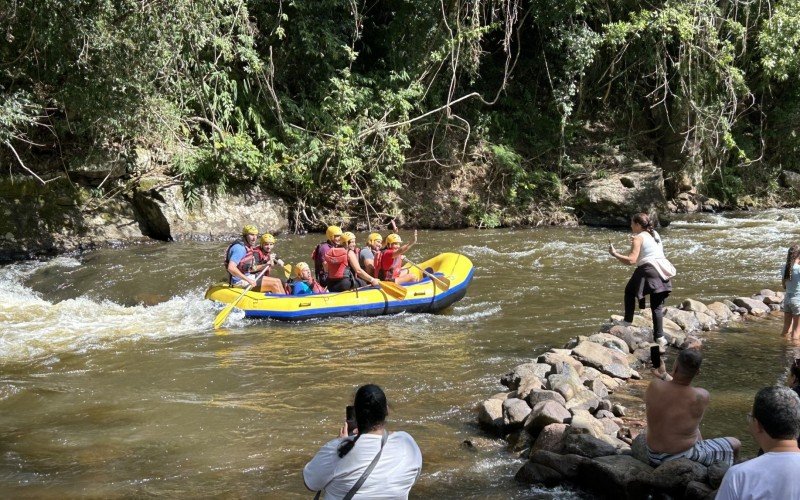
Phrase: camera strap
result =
(366, 473)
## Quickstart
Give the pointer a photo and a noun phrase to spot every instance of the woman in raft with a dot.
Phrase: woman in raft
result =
(651, 277)
(344, 271)
(389, 266)
(791, 300)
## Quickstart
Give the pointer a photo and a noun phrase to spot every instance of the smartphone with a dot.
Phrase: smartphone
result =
(350, 415)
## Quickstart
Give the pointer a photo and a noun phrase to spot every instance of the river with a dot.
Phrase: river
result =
(114, 384)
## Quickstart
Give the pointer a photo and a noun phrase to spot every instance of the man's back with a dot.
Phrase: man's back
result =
(772, 475)
(674, 412)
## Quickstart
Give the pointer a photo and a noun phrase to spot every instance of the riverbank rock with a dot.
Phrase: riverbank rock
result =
(637, 186)
(166, 213)
(574, 431)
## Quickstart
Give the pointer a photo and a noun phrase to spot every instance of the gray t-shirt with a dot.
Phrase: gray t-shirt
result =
(366, 253)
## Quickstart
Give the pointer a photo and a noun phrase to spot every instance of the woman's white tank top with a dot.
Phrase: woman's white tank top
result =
(650, 249)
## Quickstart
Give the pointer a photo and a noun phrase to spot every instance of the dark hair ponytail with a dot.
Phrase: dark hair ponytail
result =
(644, 220)
(791, 256)
(371, 410)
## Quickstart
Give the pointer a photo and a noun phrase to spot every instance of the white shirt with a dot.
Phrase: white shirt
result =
(393, 476)
(652, 252)
(771, 476)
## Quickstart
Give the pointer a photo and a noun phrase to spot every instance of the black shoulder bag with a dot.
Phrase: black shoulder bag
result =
(366, 473)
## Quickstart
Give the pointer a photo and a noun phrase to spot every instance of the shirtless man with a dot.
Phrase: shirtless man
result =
(674, 412)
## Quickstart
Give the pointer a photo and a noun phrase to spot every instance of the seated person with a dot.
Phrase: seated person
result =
(674, 411)
(265, 260)
(344, 272)
(304, 283)
(239, 259)
(775, 424)
(370, 253)
(391, 260)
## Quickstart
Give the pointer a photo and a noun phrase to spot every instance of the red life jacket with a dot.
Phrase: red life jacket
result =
(247, 262)
(337, 262)
(261, 257)
(389, 268)
(376, 263)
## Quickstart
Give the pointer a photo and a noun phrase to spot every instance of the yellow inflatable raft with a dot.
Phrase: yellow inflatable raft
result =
(425, 295)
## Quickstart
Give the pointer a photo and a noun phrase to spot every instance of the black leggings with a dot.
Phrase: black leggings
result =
(656, 306)
(344, 284)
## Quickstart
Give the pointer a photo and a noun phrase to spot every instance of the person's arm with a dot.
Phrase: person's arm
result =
(319, 471)
(403, 249)
(353, 260)
(727, 490)
(633, 256)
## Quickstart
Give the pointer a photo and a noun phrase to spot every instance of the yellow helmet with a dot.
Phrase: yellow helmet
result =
(267, 238)
(393, 238)
(332, 232)
(348, 237)
(299, 268)
(249, 229)
(373, 237)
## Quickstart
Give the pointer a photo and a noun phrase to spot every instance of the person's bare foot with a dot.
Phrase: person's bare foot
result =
(661, 373)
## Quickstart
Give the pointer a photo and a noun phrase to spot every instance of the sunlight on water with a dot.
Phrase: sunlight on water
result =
(115, 383)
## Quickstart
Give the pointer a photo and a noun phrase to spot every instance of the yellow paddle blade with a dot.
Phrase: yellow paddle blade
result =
(397, 291)
(287, 270)
(441, 282)
(222, 316)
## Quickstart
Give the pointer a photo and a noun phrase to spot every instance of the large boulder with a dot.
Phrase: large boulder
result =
(694, 305)
(515, 411)
(568, 465)
(550, 438)
(588, 446)
(610, 341)
(538, 395)
(513, 378)
(567, 382)
(674, 475)
(636, 186)
(556, 361)
(609, 361)
(166, 213)
(490, 414)
(685, 319)
(753, 306)
(533, 473)
(615, 476)
(635, 337)
(544, 414)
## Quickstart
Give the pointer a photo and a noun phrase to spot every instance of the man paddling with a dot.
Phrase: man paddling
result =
(674, 411)
(239, 258)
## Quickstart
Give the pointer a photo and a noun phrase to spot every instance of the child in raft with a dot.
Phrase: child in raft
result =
(791, 300)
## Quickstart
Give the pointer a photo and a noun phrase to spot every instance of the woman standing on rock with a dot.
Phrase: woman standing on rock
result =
(791, 300)
(651, 277)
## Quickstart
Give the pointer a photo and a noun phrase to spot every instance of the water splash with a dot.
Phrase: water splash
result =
(32, 328)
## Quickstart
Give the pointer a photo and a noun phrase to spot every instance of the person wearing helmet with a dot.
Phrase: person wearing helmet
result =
(264, 257)
(304, 283)
(347, 274)
(333, 233)
(369, 253)
(239, 258)
(391, 262)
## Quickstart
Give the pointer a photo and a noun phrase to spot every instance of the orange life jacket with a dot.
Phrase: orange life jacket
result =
(337, 262)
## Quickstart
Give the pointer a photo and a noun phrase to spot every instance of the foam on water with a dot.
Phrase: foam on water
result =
(32, 328)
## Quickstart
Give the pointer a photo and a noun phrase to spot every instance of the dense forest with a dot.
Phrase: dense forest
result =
(341, 105)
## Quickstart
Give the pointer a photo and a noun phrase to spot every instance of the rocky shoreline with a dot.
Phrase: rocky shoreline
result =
(559, 413)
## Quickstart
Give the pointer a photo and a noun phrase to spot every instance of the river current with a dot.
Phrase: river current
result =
(113, 382)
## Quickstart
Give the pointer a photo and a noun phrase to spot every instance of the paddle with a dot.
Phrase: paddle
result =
(223, 314)
(287, 270)
(442, 283)
(397, 291)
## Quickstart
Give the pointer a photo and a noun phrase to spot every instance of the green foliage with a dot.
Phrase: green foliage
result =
(338, 106)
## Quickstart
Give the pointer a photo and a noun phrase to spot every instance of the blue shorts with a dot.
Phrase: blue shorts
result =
(791, 305)
(704, 452)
